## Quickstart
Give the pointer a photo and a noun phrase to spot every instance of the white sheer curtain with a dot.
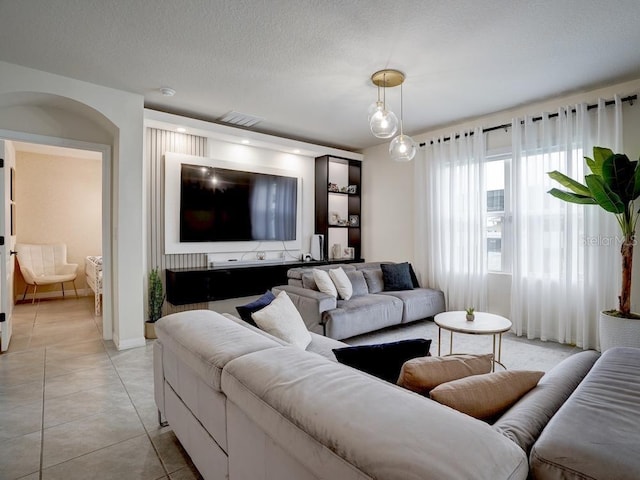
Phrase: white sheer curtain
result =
(565, 257)
(450, 218)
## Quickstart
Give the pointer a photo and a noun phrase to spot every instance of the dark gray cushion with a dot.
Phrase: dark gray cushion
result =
(396, 277)
(383, 360)
(245, 311)
(308, 281)
(374, 280)
(358, 283)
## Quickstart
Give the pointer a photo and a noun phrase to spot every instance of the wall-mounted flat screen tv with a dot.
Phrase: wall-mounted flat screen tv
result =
(222, 205)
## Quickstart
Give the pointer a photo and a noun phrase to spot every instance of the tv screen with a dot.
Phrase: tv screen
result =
(222, 205)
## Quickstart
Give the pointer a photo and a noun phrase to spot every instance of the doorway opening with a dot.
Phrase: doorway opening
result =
(61, 196)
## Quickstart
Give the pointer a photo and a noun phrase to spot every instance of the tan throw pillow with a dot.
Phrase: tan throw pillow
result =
(281, 319)
(341, 282)
(425, 373)
(488, 395)
(324, 282)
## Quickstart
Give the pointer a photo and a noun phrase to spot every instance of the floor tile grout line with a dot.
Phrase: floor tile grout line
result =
(153, 445)
(93, 451)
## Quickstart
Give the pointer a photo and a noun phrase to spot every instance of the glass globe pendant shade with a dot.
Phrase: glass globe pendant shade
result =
(374, 108)
(402, 148)
(383, 123)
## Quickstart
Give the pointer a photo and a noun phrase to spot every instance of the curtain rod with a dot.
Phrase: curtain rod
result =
(629, 99)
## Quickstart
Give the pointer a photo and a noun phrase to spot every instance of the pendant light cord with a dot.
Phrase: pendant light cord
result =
(401, 110)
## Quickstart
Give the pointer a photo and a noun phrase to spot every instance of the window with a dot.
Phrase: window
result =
(496, 171)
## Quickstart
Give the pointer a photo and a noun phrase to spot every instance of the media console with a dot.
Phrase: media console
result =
(197, 285)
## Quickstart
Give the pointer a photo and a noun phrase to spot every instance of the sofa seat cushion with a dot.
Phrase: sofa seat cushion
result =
(361, 315)
(361, 419)
(603, 414)
(419, 303)
(206, 341)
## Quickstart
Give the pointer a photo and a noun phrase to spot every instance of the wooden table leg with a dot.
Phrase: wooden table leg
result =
(439, 339)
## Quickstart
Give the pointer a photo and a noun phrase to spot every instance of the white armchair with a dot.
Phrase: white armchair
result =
(45, 265)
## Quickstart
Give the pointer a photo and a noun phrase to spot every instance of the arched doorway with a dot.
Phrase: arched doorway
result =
(71, 124)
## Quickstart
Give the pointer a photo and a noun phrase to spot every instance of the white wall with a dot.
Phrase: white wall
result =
(387, 207)
(41, 103)
(389, 234)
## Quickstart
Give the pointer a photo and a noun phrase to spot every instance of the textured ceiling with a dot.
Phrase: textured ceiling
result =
(304, 66)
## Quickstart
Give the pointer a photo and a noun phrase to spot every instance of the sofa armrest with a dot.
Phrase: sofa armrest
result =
(310, 303)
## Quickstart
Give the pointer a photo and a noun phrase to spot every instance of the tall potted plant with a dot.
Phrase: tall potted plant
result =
(156, 299)
(614, 185)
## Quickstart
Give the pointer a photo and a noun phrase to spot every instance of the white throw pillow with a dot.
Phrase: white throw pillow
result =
(324, 283)
(281, 319)
(342, 282)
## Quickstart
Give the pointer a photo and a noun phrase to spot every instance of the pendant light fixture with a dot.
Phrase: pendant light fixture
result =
(402, 148)
(383, 122)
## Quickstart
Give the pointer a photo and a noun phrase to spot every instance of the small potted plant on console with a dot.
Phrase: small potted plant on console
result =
(156, 300)
(470, 314)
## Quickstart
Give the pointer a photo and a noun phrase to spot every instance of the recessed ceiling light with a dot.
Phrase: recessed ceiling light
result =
(181, 129)
(167, 91)
(245, 142)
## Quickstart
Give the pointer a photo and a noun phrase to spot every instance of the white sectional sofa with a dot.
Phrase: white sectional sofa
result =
(246, 406)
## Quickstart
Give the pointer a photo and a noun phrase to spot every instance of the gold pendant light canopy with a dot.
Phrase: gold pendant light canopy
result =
(387, 78)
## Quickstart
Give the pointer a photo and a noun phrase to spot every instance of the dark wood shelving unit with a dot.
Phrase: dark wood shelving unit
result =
(342, 172)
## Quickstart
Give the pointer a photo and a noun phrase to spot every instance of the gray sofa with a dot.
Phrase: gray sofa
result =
(246, 406)
(371, 308)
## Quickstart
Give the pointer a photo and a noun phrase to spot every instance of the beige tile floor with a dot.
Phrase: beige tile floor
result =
(73, 407)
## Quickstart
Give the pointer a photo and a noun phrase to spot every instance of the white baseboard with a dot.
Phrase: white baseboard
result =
(129, 343)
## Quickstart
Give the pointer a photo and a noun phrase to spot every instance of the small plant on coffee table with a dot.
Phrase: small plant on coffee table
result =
(470, 314)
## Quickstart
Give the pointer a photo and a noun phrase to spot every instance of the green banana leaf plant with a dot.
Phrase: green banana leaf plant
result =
(614, 185)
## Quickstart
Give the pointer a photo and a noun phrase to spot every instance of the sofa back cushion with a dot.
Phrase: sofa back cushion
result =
(373, 277)
(308, 281)
(358, 283)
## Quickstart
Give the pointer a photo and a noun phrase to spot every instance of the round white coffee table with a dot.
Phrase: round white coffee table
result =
(483, 324)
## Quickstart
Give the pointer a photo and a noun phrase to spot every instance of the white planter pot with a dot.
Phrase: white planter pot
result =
(618, 332)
